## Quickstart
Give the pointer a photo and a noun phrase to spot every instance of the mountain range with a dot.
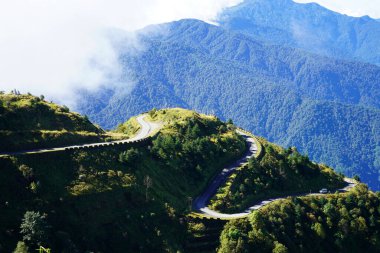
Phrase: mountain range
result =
(307, 26)
(327, 107)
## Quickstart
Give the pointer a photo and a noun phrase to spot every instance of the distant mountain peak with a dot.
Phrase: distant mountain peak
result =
(308, 26)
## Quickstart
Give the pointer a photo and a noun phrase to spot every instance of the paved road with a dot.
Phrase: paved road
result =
(350, 184)
(200, 203)
(214, 214)
(147, 128)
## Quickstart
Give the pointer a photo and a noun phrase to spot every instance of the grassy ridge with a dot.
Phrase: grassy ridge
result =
(29, 122)
(96, 199)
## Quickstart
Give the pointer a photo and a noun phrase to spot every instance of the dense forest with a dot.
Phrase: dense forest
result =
(307, 26)
(336, 223)
(327, 108)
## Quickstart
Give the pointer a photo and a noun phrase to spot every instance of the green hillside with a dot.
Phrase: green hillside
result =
(335, 223)
(117, 199)
(137, 197)
(29, 122)
(278, 173)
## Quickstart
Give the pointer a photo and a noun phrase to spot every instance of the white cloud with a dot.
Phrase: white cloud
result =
(52, 47)
(351, 7)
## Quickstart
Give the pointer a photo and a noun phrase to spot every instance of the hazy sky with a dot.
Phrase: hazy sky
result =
(351, 7)
(51, 47)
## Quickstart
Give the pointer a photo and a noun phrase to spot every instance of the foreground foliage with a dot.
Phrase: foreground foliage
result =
(100, 200)
(335, 223)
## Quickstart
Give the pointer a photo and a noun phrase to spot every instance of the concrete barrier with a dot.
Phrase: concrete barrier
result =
(135, 143)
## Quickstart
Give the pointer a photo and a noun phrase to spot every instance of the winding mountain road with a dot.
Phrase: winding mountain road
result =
(200, 204)
(147, 128)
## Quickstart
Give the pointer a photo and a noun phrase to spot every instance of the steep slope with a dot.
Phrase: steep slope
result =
(117, 198)
(279, 172)
(307, 26)
(29, 122)
(336, 223)
(121, 198)
(286, 95)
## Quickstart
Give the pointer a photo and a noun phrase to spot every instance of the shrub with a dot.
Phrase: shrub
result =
(34, 227)
(26, 171)
(21, 248)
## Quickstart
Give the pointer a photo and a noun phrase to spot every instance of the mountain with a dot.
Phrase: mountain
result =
(137, 197)
(308, 26)
(328, 108)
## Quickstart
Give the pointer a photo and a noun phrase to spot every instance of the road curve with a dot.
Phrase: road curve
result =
(201, 202)
(147, 128)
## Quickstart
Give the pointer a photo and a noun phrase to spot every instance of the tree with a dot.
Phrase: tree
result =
(34, 227)
(26, 171)
(21, 248)
(131, 156)
(15, 92)
(190, 202)
(279, 248)
(148, 183)
(152, 112)
(357, 178)
(319, 230)
(65, 108)
(252, 162)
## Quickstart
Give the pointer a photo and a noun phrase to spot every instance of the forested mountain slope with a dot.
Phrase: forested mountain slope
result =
(137, 198)
(286, 95)
(117, 198)
(308, 26)
(336, 223)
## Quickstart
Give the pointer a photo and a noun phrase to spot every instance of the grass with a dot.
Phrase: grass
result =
(28, 122)
(176, 115)
(128, 129)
